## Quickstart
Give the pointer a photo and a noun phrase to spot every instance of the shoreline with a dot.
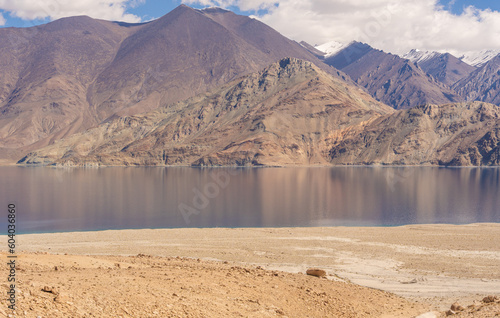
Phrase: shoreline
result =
(268, 228)
(436, 264)
(8, 163)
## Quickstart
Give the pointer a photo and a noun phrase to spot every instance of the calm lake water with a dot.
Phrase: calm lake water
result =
(59, 199)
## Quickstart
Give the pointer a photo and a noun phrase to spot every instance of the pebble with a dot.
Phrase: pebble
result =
(457, 307)
(316, 272)
(489, 299)
(48, 289)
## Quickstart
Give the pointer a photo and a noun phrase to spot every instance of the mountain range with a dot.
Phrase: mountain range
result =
(389, 78)
(74, 73)
(290, 113)
(444, 67)
(472, 58)
(209, 87)
(431, 77)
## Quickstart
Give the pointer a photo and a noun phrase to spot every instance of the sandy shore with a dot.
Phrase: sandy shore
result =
(432, 266)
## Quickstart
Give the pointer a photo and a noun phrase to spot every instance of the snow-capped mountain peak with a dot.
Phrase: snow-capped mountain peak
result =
(478, 58)
(331, 48)
(473, 58)
(418, 56)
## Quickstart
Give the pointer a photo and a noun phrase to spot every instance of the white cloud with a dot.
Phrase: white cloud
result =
(392, 25)
(114, 10)
(451, 4)
(2, 19)
(136, 3)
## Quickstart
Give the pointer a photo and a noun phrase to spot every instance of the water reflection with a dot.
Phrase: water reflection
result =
(113, 198)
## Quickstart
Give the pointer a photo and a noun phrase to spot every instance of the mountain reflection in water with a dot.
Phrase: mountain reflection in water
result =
(60, 199)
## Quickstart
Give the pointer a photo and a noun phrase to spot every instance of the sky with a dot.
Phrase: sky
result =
(395, 26)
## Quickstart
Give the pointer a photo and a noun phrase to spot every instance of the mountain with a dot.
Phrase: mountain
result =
(444, 67)
(478, 58)
(482, 84)
(289, 113)
(460, 134)
(74, 73)
(202, 49)
(390, 78)
(46, 71)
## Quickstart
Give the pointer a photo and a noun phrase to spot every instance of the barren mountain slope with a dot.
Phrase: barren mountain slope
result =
(446, 68)
(461, 134)
(46, 71)
(289, 113)
(389, 78)
(482, 84)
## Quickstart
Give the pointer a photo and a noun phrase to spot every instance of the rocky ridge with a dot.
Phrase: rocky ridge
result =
(460, 134)
(289, 113)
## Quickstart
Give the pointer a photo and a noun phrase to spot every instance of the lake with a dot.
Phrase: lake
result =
(83, 199)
